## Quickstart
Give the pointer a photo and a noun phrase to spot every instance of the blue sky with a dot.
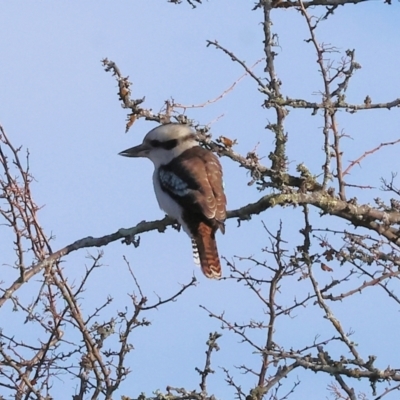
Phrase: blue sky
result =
(57, 101)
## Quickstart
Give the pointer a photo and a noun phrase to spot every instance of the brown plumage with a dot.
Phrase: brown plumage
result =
(206, 244)
(204, 205)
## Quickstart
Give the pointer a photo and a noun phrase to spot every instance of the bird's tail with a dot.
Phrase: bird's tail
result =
(196, 257)
(207, 251)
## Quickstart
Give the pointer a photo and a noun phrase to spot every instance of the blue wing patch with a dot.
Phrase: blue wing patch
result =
(173, 183)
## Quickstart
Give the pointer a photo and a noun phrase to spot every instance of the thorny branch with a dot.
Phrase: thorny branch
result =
(98, 373)
(315, 357)
(212, 346)
(359, 215)
(29, 370)
(330, 124)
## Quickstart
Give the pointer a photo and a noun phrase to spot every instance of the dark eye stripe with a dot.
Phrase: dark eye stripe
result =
(168, 145)
(155, 143)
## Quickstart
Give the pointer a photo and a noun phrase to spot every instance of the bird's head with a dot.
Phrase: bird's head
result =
(162, 144)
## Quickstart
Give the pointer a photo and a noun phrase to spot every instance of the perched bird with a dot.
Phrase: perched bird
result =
(188, 185)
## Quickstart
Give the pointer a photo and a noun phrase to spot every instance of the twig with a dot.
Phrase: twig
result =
(248, 70)
(367, 153)
(212, 345)
(223, 94)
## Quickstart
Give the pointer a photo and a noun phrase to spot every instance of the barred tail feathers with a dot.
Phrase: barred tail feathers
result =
(207, 251)
(196, 257)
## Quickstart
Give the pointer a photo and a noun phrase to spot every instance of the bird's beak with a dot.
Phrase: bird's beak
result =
(138, 151)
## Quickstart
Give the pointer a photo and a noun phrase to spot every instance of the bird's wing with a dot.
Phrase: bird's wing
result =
(194, 181)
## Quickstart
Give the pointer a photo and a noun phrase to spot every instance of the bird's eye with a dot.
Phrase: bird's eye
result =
(155, 143)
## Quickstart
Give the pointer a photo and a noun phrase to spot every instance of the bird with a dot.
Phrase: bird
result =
(188, 184)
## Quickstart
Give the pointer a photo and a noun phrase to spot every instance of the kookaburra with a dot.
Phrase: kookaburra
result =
(188, 185)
